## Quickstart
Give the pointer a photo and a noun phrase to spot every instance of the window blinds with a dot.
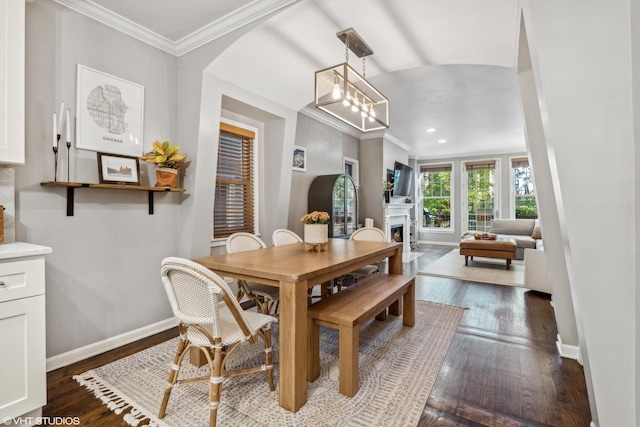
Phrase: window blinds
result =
(436, 168)
(484, 164)
(234, 199)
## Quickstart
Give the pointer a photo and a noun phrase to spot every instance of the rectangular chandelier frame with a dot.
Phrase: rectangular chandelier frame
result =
(345, 94)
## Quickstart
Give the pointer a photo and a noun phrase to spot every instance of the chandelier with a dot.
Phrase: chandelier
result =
(347, 95)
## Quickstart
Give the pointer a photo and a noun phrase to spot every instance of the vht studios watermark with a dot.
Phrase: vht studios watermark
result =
(42, 421)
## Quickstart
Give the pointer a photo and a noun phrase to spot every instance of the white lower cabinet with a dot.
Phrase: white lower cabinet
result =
(23, 375)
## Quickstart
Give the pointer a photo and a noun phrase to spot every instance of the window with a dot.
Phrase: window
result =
(352, 168)
(481, 194)
(524, 190)
(436, 196)
(234, 209)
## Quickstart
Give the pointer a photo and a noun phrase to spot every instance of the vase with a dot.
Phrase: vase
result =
(316, 233)
(166, 177)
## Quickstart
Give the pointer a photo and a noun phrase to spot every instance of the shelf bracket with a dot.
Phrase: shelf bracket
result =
(70, 194)
(150, 202)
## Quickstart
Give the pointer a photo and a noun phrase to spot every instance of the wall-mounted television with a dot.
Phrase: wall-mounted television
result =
(402, 179)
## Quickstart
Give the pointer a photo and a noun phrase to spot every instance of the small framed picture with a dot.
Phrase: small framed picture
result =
(299, 159)
(116, 169)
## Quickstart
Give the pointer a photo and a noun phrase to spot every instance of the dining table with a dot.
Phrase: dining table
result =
(294, 270)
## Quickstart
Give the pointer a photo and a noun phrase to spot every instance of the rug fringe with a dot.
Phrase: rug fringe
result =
(441, 303)
(136, 417)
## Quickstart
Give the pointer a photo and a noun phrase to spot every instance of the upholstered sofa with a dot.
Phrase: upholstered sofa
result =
(525, 232)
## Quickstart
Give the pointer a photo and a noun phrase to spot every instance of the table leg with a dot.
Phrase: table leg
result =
(293, 345)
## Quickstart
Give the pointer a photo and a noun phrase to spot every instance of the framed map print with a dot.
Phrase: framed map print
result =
(109, 113)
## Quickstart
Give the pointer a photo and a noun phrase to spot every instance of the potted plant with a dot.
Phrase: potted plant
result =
(316, 227)
(168, 161)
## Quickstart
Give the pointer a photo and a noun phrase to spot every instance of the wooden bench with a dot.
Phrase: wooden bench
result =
(346, 311)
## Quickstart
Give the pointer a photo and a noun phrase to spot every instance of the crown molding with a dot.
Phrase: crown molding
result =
(237, 19)
(329, 120)
(228, 23)
(392, 139)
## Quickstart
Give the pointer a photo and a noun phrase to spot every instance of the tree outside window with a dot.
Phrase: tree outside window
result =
(525, 197)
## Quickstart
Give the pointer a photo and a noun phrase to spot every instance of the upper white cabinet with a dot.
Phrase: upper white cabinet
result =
(12, 52)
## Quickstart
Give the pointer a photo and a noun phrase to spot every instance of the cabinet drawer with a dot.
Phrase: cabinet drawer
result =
(21, 278)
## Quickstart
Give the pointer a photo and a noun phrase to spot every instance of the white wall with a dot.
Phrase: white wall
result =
(103, 275)
(581, 56)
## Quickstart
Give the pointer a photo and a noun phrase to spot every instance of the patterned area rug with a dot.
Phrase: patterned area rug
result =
(398, 367)
(483, 270)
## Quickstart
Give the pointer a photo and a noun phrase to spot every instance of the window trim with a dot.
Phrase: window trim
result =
(517, 161)
(355, 167)
(221, 241)
(452, 215)
(464, 186)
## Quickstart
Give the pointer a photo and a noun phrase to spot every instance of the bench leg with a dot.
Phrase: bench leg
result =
(466, 260)
(313, 350)
(508, 263)
(409, 305)
(348, 360)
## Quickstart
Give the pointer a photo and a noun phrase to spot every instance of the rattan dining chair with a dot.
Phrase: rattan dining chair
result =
(281, 237)
(266, 297)
(371, 234)
(210, 319)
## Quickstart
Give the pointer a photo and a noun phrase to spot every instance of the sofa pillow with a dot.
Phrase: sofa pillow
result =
(536, 233)
(522, 227)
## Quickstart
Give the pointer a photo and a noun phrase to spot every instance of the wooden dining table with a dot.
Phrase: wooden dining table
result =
(294, 270)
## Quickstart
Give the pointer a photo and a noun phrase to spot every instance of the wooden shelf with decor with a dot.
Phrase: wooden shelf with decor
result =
(71, 186)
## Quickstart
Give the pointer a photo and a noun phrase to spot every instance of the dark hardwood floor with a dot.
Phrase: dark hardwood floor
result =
(502, 368)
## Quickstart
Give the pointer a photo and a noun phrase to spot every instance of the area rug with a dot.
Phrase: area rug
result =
(484, 270)
(398, 367)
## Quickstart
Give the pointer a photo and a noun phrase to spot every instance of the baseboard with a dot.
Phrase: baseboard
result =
(568, 351)
(81, 353)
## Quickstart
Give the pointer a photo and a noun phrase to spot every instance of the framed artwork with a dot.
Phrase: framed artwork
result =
(109, 113)
(299, 159)
(117, 169)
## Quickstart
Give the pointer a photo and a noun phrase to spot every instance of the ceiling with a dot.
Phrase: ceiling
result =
(443, 64)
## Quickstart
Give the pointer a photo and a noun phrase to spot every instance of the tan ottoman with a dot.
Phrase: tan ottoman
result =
(501, 248)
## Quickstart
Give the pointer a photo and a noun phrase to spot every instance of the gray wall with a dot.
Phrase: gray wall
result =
(102, 277)
(326, 148)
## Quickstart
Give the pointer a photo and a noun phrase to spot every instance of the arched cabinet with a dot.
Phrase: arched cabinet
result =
(337, 195)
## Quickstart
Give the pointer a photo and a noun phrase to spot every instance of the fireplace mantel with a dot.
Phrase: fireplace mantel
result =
(398, 213)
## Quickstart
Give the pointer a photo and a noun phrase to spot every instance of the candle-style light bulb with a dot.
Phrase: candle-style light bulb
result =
(354, 105)
(337, 93)
(346, 102)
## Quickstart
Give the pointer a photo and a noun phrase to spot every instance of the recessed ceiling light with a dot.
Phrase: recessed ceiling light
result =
(431, 130)
(442, 141)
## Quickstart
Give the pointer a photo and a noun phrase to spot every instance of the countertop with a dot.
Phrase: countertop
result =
(22, 249)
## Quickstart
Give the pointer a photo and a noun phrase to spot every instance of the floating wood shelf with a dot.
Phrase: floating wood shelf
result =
(71, 186)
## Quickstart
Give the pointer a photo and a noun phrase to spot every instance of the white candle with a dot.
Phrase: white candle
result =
(68, 127)
(61, 118)
(55, 131)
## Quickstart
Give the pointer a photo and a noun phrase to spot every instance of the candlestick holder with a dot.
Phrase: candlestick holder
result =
(55, 160)
(68, 162)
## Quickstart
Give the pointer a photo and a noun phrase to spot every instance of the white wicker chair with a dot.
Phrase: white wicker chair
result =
(371, 234)
(281, 237)
(266, 297)
(210, 318)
